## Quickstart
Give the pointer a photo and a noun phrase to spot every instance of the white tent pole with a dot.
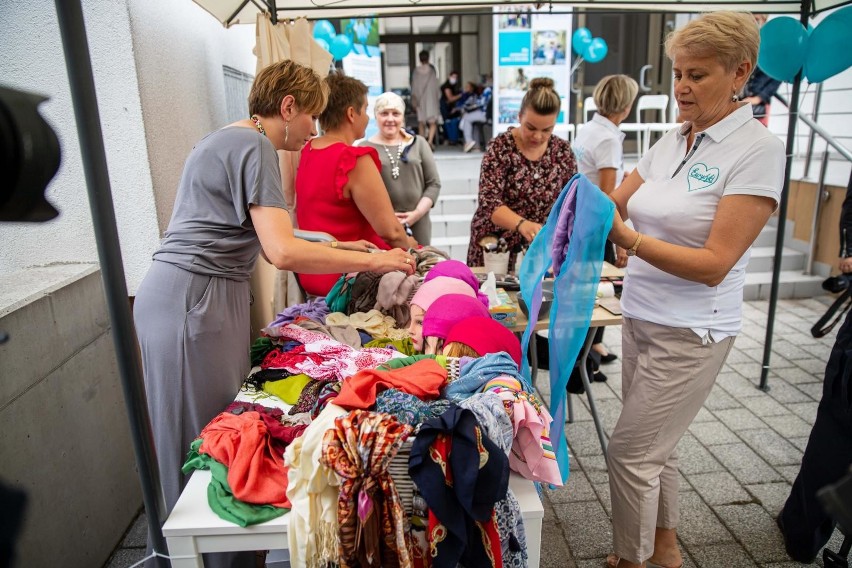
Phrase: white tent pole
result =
(792, 122)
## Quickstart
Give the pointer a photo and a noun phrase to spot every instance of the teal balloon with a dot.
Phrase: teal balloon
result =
(830, 46)
(783, 48)
(340, 46)
(323, 29)
(580, 40)
(322, 43)
(596, 50)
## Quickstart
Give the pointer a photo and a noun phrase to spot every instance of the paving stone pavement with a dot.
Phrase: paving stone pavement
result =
(737, 460)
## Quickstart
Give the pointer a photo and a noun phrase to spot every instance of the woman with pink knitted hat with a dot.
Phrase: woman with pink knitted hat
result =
(459, 271)
(425, 297)
(444, 314)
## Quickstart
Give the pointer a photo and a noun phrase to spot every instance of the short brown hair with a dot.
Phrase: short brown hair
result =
(278, 80)
(541, 97)
(615, 94)
(343, 92)
(457, 349)
(731, 37)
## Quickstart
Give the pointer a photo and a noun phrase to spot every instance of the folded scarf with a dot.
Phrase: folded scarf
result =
(219, 495)
(461, 474)
(422, 379)
(312, 490)
(256, 472)
(373, 322)
(479, 371)
(289, 389)
(370, 516)
(409, 409)
(394, 294)
(315, 309)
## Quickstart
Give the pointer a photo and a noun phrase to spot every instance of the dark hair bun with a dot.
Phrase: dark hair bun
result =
(541, 83)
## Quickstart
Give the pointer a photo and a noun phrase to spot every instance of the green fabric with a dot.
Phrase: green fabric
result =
(404, 346)
(338, 297)
(259, 349)
(287, 389)
(219, 495)
(401, 362)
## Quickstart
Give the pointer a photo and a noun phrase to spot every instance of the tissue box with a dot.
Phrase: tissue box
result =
(506, 311)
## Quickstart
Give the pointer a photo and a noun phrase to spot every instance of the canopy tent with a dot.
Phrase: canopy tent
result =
(81, 81)
(231, 12)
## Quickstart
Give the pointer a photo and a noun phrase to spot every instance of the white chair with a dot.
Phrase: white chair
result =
(645, 102)
(589, 107)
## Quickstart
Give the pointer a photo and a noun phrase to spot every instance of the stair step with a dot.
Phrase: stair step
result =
(791, 284)
(442, 242)
(456, 204)
(763, 257)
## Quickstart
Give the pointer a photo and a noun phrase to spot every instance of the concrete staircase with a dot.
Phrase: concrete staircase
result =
(452, 214)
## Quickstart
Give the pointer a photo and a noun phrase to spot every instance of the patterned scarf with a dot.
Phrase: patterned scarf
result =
(370, 516)
(461, 474)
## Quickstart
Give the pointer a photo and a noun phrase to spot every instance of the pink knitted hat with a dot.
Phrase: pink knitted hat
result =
(485, 335)
(437, 287)
(447, 311)
(458, 270)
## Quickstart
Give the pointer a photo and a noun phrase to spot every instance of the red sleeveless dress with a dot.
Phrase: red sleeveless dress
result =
(321, 206)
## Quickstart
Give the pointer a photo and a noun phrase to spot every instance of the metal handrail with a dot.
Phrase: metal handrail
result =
(821, 193)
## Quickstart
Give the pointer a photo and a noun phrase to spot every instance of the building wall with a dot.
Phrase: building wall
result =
(159, 82)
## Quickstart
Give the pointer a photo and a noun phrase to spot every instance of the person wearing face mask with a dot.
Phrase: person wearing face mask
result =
(408, 167)
(522, 173)
(339, 189)
(450, 94)
(698, 199)
(192, 308)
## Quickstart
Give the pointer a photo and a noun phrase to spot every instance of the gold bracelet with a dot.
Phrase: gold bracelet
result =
(632, 250)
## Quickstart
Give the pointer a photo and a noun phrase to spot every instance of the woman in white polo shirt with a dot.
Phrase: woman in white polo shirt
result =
(599, 149)
(697, 199)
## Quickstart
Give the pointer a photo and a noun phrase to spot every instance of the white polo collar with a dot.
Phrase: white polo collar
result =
(724, 127)
(598, 118)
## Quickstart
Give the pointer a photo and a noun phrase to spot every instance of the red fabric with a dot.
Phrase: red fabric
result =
(256, 473)
(321, 206)
(278, 359)
(282, 436)
(423, 379)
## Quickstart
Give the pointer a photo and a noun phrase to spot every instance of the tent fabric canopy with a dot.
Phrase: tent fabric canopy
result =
(231, 12)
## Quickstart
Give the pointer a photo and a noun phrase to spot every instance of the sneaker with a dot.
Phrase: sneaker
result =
(469, 146)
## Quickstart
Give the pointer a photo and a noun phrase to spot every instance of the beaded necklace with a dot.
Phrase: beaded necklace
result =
(256, 120)
(394, 162)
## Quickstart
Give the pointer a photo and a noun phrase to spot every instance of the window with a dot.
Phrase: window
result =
(237, 89)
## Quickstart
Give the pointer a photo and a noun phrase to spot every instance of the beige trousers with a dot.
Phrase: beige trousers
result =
(667, 374)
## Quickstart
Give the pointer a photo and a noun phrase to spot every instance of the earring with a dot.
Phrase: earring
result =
(286, 131)
(734, 98)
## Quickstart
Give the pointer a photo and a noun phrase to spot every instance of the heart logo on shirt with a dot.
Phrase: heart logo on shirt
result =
(701, 177)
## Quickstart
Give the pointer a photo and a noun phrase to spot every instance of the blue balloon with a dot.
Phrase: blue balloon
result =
(596, 50)
(580, 40)
(830, 46)
(783, 47)
(341, 45)
(323, 29)
(322, 43)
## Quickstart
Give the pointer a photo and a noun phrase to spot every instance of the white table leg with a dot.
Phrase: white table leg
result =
(532, 528)
(185, 552)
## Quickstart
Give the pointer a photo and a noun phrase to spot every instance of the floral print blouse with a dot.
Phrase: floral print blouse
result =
(528, 188)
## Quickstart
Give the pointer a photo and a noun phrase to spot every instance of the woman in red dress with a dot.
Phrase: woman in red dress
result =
(339, 188)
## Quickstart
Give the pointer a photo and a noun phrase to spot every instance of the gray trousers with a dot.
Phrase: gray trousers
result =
(667, 374)
(194, 336)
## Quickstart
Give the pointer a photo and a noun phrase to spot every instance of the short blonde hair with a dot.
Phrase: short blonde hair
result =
(732, 37)
(615, 94)
(389, 100)
(343, 92)
(541, 97)
(278, 80)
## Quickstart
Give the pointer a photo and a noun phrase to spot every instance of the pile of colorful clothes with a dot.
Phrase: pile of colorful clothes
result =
(383, 458)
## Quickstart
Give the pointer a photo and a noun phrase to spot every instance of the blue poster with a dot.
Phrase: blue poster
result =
(515, 48)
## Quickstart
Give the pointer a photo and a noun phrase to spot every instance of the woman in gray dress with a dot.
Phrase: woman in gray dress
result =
(192, 308)
(408, 167)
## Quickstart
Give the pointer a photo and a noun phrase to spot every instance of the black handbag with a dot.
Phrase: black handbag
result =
(837, 310)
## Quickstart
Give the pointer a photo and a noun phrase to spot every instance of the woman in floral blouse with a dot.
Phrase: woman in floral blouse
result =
(522, 173)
